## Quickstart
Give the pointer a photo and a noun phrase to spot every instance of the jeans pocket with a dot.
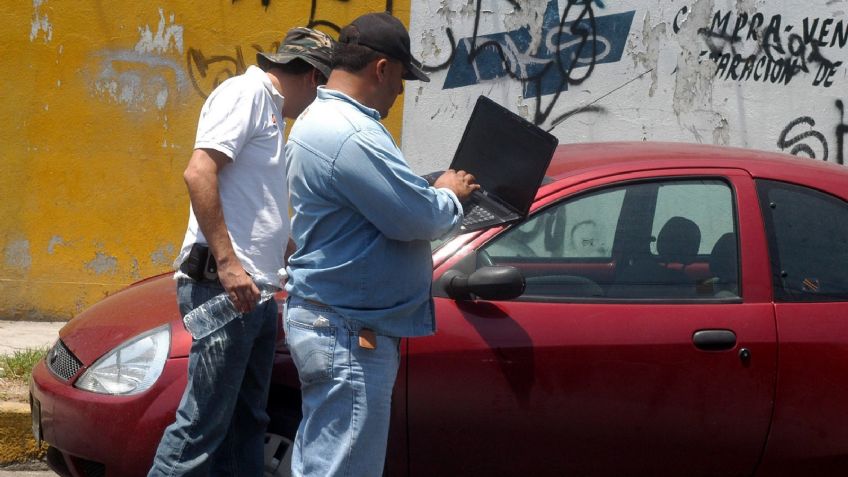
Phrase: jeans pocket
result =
(312, 347)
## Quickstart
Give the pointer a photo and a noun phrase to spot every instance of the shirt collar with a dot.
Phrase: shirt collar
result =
(256, 72)
(332, 94)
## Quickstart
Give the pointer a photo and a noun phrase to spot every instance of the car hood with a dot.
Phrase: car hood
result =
(138, 308)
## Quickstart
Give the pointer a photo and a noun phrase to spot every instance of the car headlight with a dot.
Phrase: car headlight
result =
(130, 368)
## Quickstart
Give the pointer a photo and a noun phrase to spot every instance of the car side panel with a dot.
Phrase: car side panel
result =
(528, 389)
(809, 434)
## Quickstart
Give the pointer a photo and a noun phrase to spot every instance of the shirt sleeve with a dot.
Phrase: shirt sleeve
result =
(227, 120)
(371, 174)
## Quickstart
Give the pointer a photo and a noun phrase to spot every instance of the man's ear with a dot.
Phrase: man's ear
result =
(316, 78)
(380, 68)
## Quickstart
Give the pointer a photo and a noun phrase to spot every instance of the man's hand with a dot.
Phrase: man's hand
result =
(460, 182)
(239, 286)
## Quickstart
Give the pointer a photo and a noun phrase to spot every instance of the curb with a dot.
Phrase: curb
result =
(17, 444)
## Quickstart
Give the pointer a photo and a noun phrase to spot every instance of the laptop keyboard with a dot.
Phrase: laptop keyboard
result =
(476, 215)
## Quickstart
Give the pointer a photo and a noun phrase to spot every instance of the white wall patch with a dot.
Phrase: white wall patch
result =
(40, 23)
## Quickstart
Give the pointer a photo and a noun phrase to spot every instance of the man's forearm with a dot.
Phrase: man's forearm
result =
(202, 184)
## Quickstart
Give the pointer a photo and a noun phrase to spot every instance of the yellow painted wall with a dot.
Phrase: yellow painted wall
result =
(100, 103)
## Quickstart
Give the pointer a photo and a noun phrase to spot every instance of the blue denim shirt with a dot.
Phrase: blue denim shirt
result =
(362, 219)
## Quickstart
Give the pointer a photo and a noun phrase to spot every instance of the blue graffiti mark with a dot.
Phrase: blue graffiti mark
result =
(508, 54)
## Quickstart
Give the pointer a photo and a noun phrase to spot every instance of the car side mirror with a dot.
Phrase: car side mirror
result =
(488, 283)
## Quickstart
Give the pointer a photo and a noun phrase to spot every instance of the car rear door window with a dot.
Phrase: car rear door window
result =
(665, 239)
(808, 242)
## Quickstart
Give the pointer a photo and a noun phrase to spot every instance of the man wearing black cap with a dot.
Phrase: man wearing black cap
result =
(361, 275)
(233, 250)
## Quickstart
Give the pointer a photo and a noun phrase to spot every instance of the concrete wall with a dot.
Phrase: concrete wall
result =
(100, 103)
(753, 73)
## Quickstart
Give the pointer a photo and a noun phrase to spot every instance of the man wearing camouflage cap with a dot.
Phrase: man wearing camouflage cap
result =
(235, 245)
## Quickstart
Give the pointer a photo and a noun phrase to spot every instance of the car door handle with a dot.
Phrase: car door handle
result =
(714, 340)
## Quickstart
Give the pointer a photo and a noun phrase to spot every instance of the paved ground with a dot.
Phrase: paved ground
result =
(20, 335)
(16, 336)
(27, 473)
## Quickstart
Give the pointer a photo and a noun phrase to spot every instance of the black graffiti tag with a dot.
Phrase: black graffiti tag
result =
(795, 141)
(208, 71)
(797, 144)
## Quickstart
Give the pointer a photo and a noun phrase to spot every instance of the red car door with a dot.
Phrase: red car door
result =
(634, 371)
(807, 232)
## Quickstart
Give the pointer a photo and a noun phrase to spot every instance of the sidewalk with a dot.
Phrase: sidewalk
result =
(21, 335)
(16, 441)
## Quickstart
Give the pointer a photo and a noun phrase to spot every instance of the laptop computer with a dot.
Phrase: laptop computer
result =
(508, 156)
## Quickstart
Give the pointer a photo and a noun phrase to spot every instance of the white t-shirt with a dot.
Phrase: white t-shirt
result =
(242, 119)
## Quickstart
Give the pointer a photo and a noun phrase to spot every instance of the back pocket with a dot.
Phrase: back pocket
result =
(312, 347)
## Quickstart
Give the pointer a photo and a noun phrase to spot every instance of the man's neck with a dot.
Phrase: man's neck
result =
(352, 85)
(275, 82)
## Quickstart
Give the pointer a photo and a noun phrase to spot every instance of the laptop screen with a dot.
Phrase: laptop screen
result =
(506, 153)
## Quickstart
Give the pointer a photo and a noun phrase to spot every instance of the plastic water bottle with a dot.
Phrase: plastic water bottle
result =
(217, 312)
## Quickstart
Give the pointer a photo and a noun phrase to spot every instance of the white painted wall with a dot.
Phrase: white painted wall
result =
(705, 71)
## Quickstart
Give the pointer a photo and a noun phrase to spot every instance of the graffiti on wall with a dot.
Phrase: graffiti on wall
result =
(572, 43)
(148, 74)
(208, 70)
(752, 47)
(800, 137)
(145, 74)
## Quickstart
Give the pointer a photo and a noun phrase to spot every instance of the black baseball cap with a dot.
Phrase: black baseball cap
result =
(384, 34)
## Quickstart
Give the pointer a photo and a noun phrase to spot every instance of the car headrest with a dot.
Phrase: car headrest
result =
(679, 240)
(723, 262)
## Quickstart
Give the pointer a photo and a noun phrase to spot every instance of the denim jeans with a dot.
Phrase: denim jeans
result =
(346, 392)
(221, 420)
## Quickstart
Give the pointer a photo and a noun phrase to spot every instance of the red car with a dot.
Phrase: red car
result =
(665, 310)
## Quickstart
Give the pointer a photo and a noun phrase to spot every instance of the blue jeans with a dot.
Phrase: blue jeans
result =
(346, 390)
(221, 420)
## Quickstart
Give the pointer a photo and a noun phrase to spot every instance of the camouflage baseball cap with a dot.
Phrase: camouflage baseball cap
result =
(311, 46)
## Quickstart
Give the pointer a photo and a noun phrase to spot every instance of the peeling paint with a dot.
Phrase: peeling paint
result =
(103, 264)
(17, 255)
(693, 80)
(54, 241)
(649, 56)
(721, 132)
(135, 272)
(142, 78)
(163, 39)
(138, 80)
(40, 23)
(164, 255)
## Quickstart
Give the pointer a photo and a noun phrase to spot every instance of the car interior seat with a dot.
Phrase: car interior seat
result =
(724, 267)
(662, 275)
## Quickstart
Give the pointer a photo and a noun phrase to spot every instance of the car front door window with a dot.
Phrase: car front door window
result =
(668, 239)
